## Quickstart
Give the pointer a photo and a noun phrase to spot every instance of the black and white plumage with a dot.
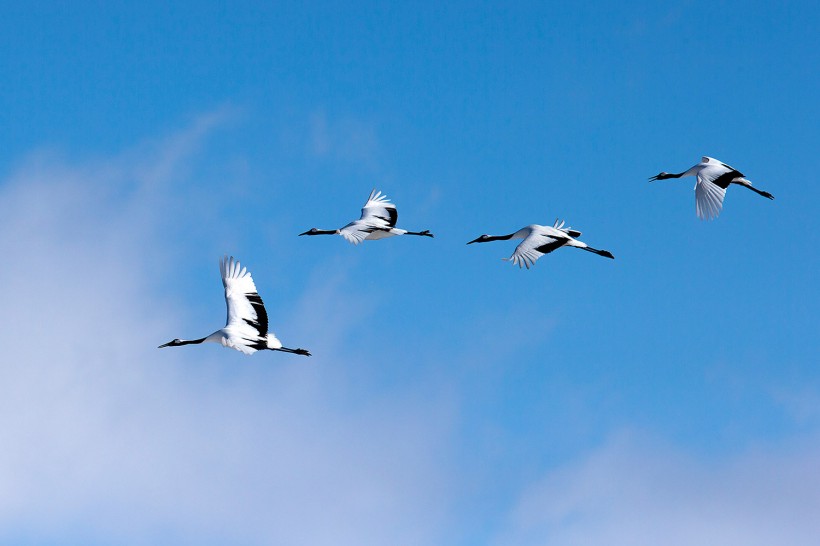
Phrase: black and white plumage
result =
(714, 177)
(246, 328)
(378, 221)
(540, 240)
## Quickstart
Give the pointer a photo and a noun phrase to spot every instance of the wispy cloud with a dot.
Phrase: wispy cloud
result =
(345, 138)
(106, 438)
(636, 490)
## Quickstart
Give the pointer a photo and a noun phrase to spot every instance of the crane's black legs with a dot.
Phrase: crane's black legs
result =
(425, 233)
(760, 192)
(604, 253)
(303, 352)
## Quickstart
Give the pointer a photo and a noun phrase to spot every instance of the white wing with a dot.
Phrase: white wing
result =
(378, 214)
(379, 211)
(709, 194)
(356, 232)
(535, 245)
(247, 322)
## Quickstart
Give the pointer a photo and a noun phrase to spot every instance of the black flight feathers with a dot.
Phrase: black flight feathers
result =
(261, 322)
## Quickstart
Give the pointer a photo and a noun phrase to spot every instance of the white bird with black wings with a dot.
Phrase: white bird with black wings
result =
(540, 240)
(378, 221)
(714, 177)
(246, 328)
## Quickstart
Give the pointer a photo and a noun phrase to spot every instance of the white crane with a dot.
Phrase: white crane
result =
(540, 240)
(247, 325)
(713, 178)
(378, 221)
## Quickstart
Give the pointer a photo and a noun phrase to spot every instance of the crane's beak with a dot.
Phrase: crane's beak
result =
(165, 345)
(474, 241)
(305, 233)
(658, 176)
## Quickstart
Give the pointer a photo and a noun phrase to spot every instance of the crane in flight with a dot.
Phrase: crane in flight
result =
(378, 221)
(246, 329)
(714, 177)
(540, 240)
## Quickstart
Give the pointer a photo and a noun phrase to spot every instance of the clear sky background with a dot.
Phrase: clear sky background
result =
(671, 396)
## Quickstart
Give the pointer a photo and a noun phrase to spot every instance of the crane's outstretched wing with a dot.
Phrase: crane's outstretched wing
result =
(533, 247)
(378, 214)
(379, 211)
(710, 189)
(247, 318)
(356, 232)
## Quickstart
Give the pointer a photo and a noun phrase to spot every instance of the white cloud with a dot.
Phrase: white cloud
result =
(636, 491)
(106, 438)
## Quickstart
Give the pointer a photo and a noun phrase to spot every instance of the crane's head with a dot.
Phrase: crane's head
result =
(173, 343)
(483, 239)
(660, 176)
(317, 231)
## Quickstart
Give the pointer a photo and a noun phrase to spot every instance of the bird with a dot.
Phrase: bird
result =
(540, 240)
(378, 221)
(713, 178)
(246, 329)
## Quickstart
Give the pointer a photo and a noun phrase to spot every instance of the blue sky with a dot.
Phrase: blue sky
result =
(663, 397)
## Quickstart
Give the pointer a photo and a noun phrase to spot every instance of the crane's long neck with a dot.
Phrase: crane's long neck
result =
(425, 233)
(322, 232)
(691, 172)
(192, 341)
(179, 342)
(664, 176)
(498, 238)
